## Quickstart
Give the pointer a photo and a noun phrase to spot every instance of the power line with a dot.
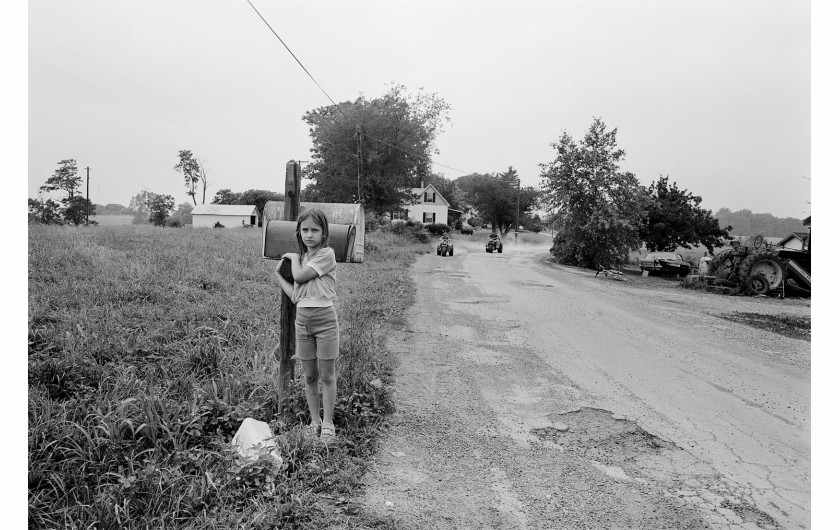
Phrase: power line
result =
(296, 59)
(333, 102)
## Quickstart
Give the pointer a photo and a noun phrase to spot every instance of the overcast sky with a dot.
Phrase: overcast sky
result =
(715, 94)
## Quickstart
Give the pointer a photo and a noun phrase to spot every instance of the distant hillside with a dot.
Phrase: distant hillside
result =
(746, 223)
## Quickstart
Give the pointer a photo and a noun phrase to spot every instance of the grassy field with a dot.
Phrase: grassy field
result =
(147, 348)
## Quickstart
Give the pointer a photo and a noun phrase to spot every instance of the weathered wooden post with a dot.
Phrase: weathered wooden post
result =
(287, 308)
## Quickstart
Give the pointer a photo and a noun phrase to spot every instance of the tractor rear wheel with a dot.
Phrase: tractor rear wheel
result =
(767, 264)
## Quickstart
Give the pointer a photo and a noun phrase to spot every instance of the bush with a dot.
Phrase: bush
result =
(437, 229)
(467, 230)
(410, 229)
(218, 225)
(174, 223)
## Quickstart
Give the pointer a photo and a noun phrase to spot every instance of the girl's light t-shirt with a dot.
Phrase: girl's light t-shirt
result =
(320, 290)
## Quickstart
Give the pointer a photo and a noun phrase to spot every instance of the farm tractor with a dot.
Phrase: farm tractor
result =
(763, 269)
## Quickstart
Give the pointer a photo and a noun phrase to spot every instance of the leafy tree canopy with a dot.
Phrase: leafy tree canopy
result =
(745, 223)
(77, 209)
(46, 212)
(674, 218)
(74, 208)
(256, 197)
(193, 172)
(373, 151)
(600, 208)
(494, 197)
(182, 215)
(138, 208)
(160, 206)
(65, 178)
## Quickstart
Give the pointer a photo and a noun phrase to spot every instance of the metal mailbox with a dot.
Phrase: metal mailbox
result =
(279, 238)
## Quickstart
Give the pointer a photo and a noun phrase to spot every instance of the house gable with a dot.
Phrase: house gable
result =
(430, 195)
(795, 240)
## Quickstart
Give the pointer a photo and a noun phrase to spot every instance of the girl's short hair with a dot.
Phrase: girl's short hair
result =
(320, 219)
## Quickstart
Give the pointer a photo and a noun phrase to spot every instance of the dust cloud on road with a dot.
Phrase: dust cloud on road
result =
(532, 395)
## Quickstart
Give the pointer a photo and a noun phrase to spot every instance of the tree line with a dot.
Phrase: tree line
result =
(746, 223)
(374, 151)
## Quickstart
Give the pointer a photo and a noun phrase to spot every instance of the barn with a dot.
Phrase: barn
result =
(228, 215)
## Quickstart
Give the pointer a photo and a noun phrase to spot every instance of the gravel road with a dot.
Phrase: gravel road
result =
(533, 395)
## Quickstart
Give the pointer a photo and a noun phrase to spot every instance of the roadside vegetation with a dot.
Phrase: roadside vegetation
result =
(148, 347)
(797, 327)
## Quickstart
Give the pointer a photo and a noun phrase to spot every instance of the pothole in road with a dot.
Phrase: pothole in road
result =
(597, 434)
(621, 449)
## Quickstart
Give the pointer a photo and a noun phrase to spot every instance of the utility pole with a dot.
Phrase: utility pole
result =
(358, 165)
(87, 196)
(516, 228)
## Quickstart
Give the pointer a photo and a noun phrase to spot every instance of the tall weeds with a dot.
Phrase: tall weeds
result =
(148, 347)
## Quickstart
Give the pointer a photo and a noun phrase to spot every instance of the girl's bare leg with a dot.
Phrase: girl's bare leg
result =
(313, 395)
(326, 369)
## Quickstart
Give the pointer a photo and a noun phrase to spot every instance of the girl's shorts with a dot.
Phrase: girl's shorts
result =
(316, 332)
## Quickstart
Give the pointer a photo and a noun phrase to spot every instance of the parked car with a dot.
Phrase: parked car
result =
(665, 263)
(467, 230)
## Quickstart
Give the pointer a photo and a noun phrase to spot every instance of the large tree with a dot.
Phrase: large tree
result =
(182, 214)
(495, 197)
(160, 206)
(674, 218)
(194, 174)
(65, 178)
(373, 151)
(600, 208)
(75, 208)
(45, 211)
(138, 208)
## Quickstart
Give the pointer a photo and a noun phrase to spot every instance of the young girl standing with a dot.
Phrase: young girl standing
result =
(316, 324)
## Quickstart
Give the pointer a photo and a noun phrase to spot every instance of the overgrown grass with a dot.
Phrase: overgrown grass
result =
(148, 347)
(797, 327)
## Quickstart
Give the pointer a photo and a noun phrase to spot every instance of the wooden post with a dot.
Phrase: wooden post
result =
(287, 308)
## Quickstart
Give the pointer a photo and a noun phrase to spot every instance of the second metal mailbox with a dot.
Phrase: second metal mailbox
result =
(279, 238)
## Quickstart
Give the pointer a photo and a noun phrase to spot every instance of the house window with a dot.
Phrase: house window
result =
(428, 217)
(428, 196)
(400, 215)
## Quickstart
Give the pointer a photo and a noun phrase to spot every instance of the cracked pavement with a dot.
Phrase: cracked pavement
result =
(503, 347)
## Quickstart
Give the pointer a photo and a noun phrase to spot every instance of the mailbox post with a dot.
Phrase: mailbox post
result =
(287, 308)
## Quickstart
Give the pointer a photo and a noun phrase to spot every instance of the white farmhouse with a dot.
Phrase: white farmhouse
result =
(431, 208)
(228, 215)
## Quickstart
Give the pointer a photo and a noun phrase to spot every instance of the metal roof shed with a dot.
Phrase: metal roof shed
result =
(227, 215)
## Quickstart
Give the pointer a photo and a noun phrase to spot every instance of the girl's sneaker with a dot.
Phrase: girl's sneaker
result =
(327, 432)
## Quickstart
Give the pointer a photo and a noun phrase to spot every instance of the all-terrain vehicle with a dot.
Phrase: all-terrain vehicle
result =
(445, 247)
(494, 243)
